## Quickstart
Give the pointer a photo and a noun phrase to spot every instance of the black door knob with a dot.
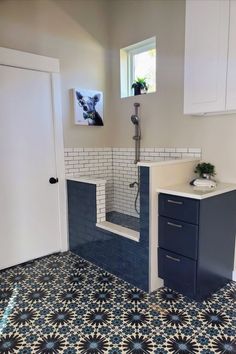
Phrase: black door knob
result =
(53, 180)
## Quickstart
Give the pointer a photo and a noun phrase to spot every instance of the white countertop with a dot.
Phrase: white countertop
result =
(165, 162)
(86, 179)
(185, 190)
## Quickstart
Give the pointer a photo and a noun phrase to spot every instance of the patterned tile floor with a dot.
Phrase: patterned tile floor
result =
(63, 304)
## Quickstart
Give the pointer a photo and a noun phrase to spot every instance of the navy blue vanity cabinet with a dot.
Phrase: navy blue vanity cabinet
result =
(196, 243)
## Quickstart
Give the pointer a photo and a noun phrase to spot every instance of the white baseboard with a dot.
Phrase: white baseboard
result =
(234, 275)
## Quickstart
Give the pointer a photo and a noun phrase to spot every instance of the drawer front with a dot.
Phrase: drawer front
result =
(178, 272)
(178, 236)
(185, 209)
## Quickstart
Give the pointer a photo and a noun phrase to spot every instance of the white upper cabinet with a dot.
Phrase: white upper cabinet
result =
(210, 56)
(231, 75)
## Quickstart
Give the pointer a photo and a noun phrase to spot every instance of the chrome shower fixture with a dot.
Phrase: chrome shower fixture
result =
(131, 185)
(134, 119)
(137, 136)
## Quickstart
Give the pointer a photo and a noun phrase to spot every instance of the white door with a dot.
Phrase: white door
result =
(231, 78)
(29, 204)
(206, 50)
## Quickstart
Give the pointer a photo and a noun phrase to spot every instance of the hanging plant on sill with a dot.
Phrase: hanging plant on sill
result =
(140, 86)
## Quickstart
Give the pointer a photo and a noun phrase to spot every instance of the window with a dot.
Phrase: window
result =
(138, 61)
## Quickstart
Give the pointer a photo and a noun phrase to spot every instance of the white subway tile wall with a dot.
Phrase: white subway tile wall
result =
(95, 162)
(124, 173)
(116, 165)
(100, 202)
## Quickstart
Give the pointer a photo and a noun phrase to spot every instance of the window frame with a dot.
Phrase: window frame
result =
(127, 63)
(130, 61)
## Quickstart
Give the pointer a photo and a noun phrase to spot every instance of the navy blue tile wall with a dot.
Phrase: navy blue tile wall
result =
(125, 258)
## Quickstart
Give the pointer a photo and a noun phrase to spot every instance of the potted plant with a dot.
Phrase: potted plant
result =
(140, 86)
(205, 170)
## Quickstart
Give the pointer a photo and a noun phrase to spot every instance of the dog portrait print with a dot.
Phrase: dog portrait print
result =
(88, 107)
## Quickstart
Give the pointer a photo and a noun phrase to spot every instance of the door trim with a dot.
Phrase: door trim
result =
(60, 165)
(18, 59)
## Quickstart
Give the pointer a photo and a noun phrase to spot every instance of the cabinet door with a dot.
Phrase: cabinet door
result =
(231, 78)
(206, 47)
(179, 273)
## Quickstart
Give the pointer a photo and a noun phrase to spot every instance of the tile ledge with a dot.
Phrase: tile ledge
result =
(119, 230)
(86, 179)
(166, 162)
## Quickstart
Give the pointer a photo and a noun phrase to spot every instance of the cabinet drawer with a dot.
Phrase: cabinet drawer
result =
(178, 236)
(178, 272)
(185, 209)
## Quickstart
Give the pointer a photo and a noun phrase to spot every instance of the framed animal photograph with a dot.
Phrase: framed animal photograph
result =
(88, 107)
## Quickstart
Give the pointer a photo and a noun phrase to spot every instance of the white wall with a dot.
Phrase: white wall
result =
(163, 122)
(75, 31)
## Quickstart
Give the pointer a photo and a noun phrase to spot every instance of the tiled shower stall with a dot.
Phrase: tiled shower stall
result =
(116, 166)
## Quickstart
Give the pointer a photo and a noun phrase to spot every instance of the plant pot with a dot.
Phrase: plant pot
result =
(143, 91)
(137, 91)
(206, 176)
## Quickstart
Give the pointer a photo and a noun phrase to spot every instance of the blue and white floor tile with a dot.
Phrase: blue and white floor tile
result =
(63, 304)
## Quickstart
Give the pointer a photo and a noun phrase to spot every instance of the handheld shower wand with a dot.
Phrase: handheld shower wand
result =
(137, 137)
